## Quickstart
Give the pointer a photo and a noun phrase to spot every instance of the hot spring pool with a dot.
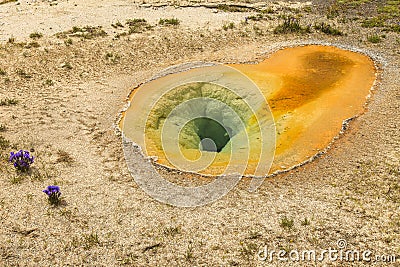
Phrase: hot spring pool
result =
(254, 119)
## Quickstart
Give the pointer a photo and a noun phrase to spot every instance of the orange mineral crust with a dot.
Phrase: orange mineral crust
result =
(311, 90)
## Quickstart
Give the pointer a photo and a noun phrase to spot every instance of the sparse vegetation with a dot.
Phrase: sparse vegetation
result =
(2, 72)
(229, 26)
(32, 44)
(352, 3)
(134, 22)
(35, 35)
(189, 252)
(112, 57)
(232, 8)
(374, 39)
(23, 74)
(90, 240)
(391, 8)
(138, 25)
(118, 35)
(373, 22)
(395, 170)
(268, 10)
(248, 250)
(171, 231)
(4, 143)
(257, 17)
(64, 157)
(327, 29)
(393, 28)
(117, 24)
(48, 82)
(87, 32)
(68, 42)
(305, 222)
(8, 102)
(287, 223)
(254, 235)
(167, 22)
(257, 30)
(307, 9)
(3, 128)
(41, 174)
(291, 25)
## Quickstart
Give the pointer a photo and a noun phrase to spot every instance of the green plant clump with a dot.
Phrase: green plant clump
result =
(374, 39)
(327, 29)
(138, 25)
(8, 102)
(87, 32)
(373, 22)
(35, 35)
(228, 26)
(287, 223)
(232, 8)
(291, 25)
(171, 21)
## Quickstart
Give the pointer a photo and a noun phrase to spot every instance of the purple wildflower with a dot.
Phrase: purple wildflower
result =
(21, 160)
(53, 192)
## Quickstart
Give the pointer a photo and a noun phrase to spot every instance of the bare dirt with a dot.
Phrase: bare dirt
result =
(71, 85)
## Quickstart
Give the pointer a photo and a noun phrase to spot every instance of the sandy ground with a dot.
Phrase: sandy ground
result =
(69, 96)
(51, 17)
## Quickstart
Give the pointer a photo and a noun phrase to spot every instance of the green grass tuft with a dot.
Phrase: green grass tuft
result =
(373, 22)
(291, 25)
(68, 42)
(86, 32)
(35, 35)
(90, 240)
(23, 74)
(229, 26)
(287, 223)
(4, 143)
(232, 8)
(171, 21)
(8, 102)
(117, 25)
(32, 44)
(305, 222)
(138, 25)
(327, 29)
(189, 253)
(374, 39)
